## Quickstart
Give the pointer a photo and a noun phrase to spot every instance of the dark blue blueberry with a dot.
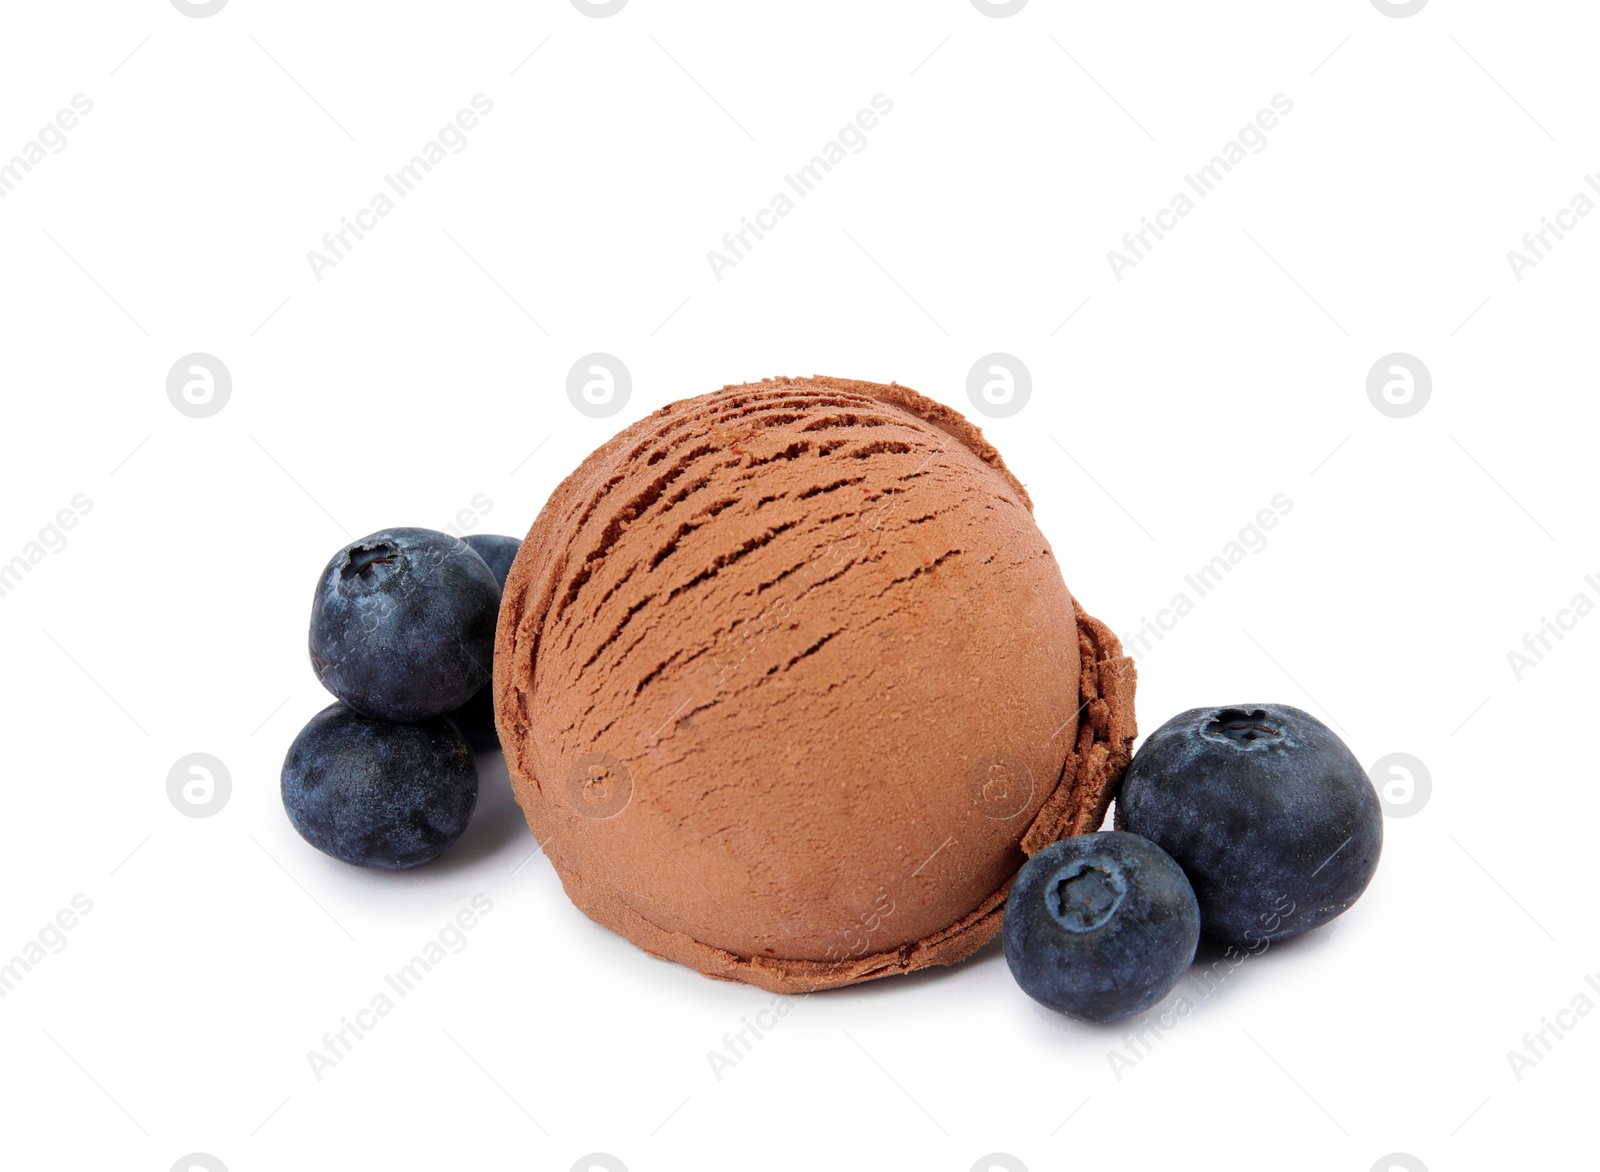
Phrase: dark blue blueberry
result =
(497, 551)
(1100, 926)
(475, 718)
(379, 794)
(403, 623)
(1265, 809)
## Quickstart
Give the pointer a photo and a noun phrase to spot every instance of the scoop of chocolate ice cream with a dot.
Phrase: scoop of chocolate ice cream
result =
(790, 683)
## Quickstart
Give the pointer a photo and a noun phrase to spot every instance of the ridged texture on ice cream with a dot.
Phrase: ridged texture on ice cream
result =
(789, 682)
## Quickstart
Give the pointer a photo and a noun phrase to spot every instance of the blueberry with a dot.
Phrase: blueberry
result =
(402, 626)
(1265, 809)
(497, 551)
(376, 793)
(475, 718)
(1100, 926)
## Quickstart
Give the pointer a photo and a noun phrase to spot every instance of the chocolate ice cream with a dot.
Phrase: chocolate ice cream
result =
(789, 684)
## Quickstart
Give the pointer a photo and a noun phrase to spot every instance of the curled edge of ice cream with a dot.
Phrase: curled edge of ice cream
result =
(1076, 802)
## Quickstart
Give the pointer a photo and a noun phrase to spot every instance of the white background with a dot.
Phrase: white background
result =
(1227, 367)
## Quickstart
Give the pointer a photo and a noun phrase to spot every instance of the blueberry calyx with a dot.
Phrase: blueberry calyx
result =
(1082, 897)
(358, 563)
(1244, 729)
